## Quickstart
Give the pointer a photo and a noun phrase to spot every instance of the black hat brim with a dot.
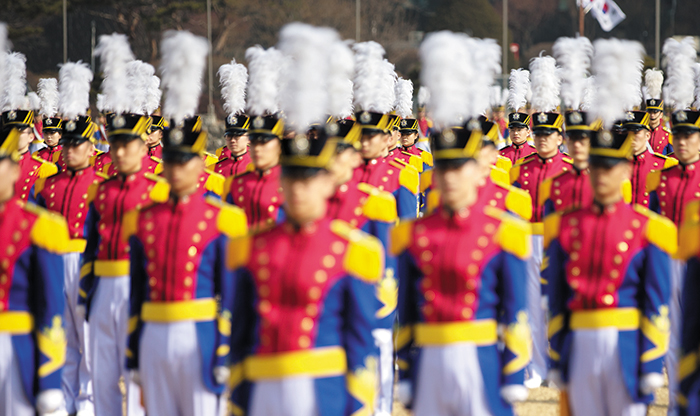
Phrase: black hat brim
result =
(544, 130)
(126, 138)
(605, 161)
(262, 137)
(517, 125)
(72, 140)
(685, 129)
(447, 164)
(177, 157)
(300, 172)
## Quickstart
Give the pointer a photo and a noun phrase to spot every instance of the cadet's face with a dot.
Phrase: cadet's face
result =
(154, 138)
(519, 135)
(26, 135)
(547, 145)
(640, 140)
(265, 155)
(344, 165)
(655, 115)
(127, 157)
(52, 137)
(394, 139)
(687, 146)
(579, 149)
(306, 199)
(9, 171)
(184, 177)
(373, 145)
(237, 144)
(488, 156)
(607, 181)
(77, 157)
(408, 139)
(457, 186)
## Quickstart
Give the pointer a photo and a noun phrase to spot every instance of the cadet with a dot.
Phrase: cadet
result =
(52, 130)
(519, 133)
(409, 137)
(459, 276)
(31, 295)
(235, 158)
(660, 135)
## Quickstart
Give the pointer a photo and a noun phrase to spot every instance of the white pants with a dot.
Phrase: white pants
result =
(292, 396)
(170, 366)
(596, 386)
(675, 314)
(538, 324)
(75, 380)
(383, 338)
(109, 317)
(13, 400)
(450, 382)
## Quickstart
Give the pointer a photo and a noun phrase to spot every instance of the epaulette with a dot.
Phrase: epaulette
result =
(504, 163)
(415, 161)
(105, 168)
(396, 163)
(215, 182)
(669, 162)
(364, 256)
(161, 190)
(426, 180)
(231, 220)
(130, 224)
(93, 158)
(102, 175)
(432, 201)
(49, 231)
(519, 202)
(666, 129)
(157, 159)
(551, 226)
(210, 159)
(689, 232)
(380, 205)
(499, 177)
(56, 156)
(427, 158)
(568, 159)
(514, 172)
(401, 237)
(158, 169)
(227, 186)
(653, 180)
(544, 191)
(39, 185)
(46, 168)
(626, 191)
(239, 250)
(409, 179)
(514, 234)
(219, 151)
(93, 189)
(660, 231)
(212, 167)
(248, 168)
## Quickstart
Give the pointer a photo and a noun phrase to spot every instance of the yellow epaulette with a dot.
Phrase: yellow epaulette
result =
(669, 162)
(56, 156)
(504, 163)
(364, 256)
(551, 226)
(427, 158)
(248, 168)
(231, 220)
(49, 231)
(414, 161)
(227, 186)
(409, 179)
(653, 180)
(380, 205)
(92, 191)
(401, 237)
(660, 231)
(626, 191)
(105, 168)
(689, 232)
(544, 191)
(219, 151)
(432, 201)
(215, 182)
(568, 159)
(161, 190)
(212, 167)
(514, 234)
(130, 222)
(239, 250)
(426, 180)
(515, 170)
(519, 202)
(46, 169)
(93, 158)
(102, 175)
(666, 129)
(39, 185)
(500, 177)
(210, 159)
(158, 169)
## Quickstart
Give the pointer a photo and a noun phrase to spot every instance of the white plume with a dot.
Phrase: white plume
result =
(616, 68)
(679, 87)
(182, 70)
(33, 101)
(573, 56)
(15, 82)
(140, 76)
(101, 103)
(374, 78)
(518, 86)
(153, 95)
(496, 96)
(446, 72)
(264, 80)
(654, 81)
(48, 92)
(696, 68)
(74, 80)
(486, 61)
(114, 52)
(4, 48)
(423, 96)
(305, 98)
(589, 94)
(340, 86)
(233, 78)
(404, 98)
(545, 83)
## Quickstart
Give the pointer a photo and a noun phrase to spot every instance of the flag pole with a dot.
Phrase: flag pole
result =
(581, 15)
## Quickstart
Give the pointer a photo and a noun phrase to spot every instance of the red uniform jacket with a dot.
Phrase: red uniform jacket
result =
(642, 165)
(671, 189)
(53, 155)
(32, 167)
(515, 152)
(260, 196)
(233, 165)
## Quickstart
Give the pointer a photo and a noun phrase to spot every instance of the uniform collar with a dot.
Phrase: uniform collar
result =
(307, 229)
(549, 159)
(599, 209)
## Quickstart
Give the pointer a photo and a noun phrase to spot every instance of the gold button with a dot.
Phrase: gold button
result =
(188, 281)
(576, 245)
(575, 271)
(16, 236)
(150, 239)
(574, 256)
(608, 299)
(610, 287)
(264, 291)
(189, 266)
(307, 324)
(202, 226)
(482, 241)
(423, 242)
(263, 274)
(471, 284)
(151, 267)
(271, 208)
(304, 341)
(102, 226)
(10, 250)
(426, 255)
(264, 306)
(149, 226)
(426, 283)
(187, 296)
(467, 313)
(427, 269)
(489, 229)
(311, 309)
(473, 269)
(3, 279)
(574, 284)
(575, 232)
(263, 258)
(469, 298)
(320, 276)
(209, 214)
(477, 255)
(152, 281)
(623, 247)
(154, 295)
(427, 310)
(328, 261)
(573, 222)
(192, 251)
(240, 198)
(629, 234)
(614, 274)
(636, 223)
(314, 293)
(196, 238)
(617, 259)
(338, 247)
(357, 211)
(429, 296)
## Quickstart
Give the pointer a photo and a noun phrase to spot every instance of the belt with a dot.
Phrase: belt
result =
(16, 322)
(317, 362)
(481, 332)
(76, 245)
(624, 319)
(537, 228)
(186, 310)
(111, 268)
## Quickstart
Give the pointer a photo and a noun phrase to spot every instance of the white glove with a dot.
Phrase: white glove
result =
(221, 374)
(49, 401)
(379, 413)
(135, 377)
(513, 393)
(404, 393)
(80, 312)
(651, 382)
(554, 377)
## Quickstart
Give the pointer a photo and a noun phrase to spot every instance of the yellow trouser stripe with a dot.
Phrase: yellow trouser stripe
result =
(187, 310)
(483, 332)
(16, 322)
(318, 362)
(111, 268)
(624, 319)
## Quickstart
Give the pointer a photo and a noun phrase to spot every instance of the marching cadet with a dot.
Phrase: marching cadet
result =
(51, 125)
(233, 79)
(155, 139)
(309, 285)
(518, 121)
(409, 138)
(637, 122)
(448, 309)
(31, 296)
(660, 140)
(174, 317)
(235, 160)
